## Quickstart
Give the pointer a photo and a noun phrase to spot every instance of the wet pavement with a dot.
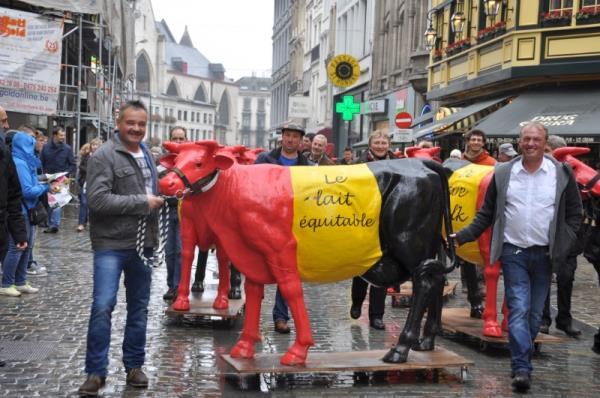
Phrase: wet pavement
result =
(43, 338)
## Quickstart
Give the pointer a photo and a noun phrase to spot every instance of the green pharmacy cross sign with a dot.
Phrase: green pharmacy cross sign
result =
(348, 108)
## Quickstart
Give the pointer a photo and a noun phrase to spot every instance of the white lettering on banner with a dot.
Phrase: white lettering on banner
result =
(553, 120)
(30, 52)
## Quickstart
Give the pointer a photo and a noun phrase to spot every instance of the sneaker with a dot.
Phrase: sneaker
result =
(32, 271)
(80, 228)
(10, 291)
(137, 378)
(90, 387)
(27, 288)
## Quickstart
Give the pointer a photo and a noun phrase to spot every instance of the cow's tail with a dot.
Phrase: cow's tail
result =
(444, 175)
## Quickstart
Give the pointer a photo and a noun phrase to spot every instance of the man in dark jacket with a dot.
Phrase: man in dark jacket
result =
(122, 189)
(534, 207)
(11, 218)
(57, 157)
(287, 154)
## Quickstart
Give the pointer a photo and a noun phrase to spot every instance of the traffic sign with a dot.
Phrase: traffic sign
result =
(403, 120)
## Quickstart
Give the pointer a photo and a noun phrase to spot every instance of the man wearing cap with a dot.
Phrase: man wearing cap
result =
(506, 152)
(288, 154)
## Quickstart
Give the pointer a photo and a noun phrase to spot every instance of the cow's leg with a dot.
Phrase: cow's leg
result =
(286, 274)
(188, 245)
(244, 348)
(221, 301)
(422, 295)
(434, 283)
(491, 274)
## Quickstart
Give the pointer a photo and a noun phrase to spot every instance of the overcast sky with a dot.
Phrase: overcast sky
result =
(235, 33)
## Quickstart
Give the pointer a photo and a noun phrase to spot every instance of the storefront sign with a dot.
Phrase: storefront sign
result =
(300, 107)
(553, 120)
(375, 106)
(30, 52)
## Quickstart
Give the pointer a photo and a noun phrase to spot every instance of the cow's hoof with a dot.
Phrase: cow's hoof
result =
(425, 344)
(221, 303)
(396, 355)
(492, 329)
(181, 304)
(243, 349)
(295, 356)
(235, 293)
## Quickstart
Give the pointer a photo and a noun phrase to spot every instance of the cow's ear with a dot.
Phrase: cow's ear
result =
(168, 161)
(223, 162)
(171, 147)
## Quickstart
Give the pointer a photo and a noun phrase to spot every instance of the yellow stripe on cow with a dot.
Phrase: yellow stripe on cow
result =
(336, 221)
(464, 189)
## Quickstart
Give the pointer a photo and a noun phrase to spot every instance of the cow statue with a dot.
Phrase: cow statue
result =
(381, 220)
(468, 185)
(229, 278)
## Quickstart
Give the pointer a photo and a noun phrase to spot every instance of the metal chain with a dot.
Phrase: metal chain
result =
(158, 256)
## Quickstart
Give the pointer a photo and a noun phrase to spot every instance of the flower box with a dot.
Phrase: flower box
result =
(491, 32)
(458, 47)
(556, 18)
(588, 15)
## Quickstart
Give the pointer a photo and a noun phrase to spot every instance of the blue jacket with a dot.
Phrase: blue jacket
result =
(57, 158)
(23, 147)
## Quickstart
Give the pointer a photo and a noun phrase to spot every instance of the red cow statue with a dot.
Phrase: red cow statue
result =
(272, 220)
(491, 272)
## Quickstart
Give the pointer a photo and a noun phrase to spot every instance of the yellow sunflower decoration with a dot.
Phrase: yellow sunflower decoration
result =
(343, 70)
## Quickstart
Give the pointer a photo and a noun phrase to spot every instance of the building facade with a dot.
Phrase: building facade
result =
(514, 61)
(400, 60)
(280, 88)
(254, 111)
(180, 86)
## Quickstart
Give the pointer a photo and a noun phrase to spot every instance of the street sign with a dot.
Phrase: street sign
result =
(403, 120)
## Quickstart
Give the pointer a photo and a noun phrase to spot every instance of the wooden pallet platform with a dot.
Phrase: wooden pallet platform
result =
(406, 290)
(355, 361)
(457, 320)
(201, 306)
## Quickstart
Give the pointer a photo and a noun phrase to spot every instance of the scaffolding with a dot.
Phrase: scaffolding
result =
(94, 79)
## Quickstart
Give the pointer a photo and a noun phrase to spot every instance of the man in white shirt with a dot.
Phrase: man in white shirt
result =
(534, 207)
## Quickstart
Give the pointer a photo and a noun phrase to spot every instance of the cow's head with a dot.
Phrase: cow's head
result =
(423, 153)
(587, 178)
(193, 167)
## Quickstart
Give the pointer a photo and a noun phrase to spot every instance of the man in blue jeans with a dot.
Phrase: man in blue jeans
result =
(534, 207)
(178, 134)
(57, 157)
(122, 189)
(287, 154)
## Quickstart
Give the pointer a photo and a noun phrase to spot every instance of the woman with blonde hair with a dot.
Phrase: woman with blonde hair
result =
(379, 149)
(85, 152)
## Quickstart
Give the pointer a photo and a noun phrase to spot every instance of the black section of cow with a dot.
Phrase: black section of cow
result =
(414, 200)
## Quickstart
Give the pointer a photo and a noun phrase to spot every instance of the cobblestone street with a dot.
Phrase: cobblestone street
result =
(43, 339)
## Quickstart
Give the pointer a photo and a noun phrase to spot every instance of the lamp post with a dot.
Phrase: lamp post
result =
(430, 33)
(491, 8)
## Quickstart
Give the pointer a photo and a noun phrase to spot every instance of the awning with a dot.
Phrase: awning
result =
(429, 117)
(565, 112)
(462, 120)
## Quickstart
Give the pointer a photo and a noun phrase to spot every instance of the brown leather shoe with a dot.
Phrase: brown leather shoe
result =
(137, 378)
(90, 387)
(282, 327)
